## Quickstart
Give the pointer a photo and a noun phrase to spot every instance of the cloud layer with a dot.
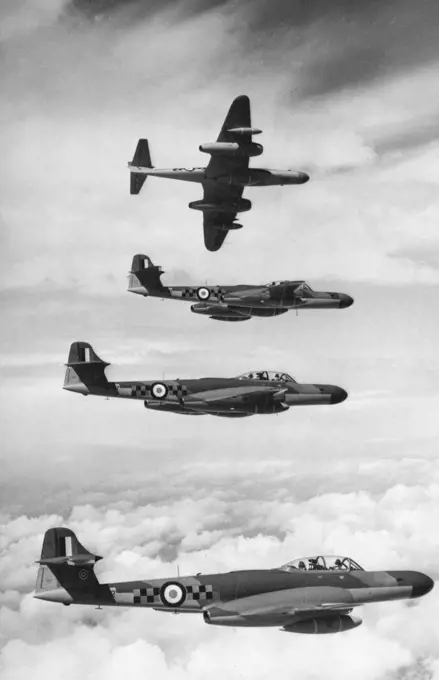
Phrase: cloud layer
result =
(232, 527)
(343, 90)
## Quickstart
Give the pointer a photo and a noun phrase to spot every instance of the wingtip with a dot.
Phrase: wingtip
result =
(242, 98)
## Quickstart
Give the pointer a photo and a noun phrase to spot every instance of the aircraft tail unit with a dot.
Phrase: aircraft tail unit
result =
(85, 371)
(141, 158)
(66, 572)
(144, 277)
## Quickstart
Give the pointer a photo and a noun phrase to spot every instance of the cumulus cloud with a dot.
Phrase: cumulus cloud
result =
(225, 530)
(342, 89)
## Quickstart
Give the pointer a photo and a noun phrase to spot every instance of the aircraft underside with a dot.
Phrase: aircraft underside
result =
(222, 411)
(221, 312)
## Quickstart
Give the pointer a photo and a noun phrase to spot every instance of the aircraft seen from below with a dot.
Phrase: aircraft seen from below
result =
(311, 595)
(252, 393)
(225, 176)
(233, 303)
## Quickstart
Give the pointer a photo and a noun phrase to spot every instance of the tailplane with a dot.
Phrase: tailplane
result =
(141, 159)
(85, 372)
(66, 572)
(144, 277)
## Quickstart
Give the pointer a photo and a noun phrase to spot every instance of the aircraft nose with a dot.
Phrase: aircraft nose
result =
(421, 584)
(338, 394)
(302, 177)
(345, 301)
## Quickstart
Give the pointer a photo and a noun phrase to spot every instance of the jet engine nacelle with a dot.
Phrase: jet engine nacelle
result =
(218, 312)
(259, 311)
(245, 131)
(232, 149)
(240, 205)
(322, 626)
(270, 406)
(217, 616)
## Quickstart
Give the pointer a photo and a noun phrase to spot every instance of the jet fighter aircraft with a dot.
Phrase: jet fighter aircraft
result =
(245, 395)
(224, 178)
(309, 595)
(233, 303)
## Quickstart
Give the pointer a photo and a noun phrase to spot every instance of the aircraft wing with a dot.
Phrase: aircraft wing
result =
(216, 224)
(248, 393)
(237, 117)
(304, 602)
(327, 607)
(214, 235)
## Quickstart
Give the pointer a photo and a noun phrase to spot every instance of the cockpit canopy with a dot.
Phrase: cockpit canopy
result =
(298, 288)
(322, 563)
(304, 290)
(274, 376)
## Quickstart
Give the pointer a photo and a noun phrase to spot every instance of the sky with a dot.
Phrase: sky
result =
(346, 91)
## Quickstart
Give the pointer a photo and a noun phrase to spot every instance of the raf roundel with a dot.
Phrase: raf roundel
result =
(203, 293)
(159, 390)
(172, 594)
(83, 574)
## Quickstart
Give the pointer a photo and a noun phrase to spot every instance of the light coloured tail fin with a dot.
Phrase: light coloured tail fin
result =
(141, 159)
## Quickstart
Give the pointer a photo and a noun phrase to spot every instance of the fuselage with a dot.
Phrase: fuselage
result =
(197, 394)
(258, 597)
(245, 297)
(251, 177)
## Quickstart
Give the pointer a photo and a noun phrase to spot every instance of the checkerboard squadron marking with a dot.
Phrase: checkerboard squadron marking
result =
(310, 595)
(172, 594)
(256, 392)
(224, 178)
(233, 303)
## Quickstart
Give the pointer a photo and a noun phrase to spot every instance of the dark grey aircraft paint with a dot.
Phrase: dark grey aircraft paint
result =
(256, 392)
(224, 178)
(233, 303)
(308, 595)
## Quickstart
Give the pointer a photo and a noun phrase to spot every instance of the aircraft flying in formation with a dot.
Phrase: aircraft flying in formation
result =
(311, 595)
(233, 303)
(225, 176)
(245, 395)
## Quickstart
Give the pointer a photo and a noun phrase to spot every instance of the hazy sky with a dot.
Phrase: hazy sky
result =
(346, 91)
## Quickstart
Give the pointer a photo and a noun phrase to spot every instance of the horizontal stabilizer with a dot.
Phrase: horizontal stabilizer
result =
(72, 559)
(141, 159)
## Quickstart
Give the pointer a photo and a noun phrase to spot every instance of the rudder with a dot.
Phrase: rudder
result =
(144, 277)
(85, 372)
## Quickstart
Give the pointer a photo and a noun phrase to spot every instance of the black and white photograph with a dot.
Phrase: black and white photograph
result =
(219, 223)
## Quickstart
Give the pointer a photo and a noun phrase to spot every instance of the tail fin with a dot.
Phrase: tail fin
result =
(145, 276)
(141, 159)
(66, 572)
(85, 372)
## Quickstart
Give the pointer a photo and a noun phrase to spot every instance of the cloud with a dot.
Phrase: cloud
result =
(227, 529)
(340, 88)
(75, 138)
(23, 17)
